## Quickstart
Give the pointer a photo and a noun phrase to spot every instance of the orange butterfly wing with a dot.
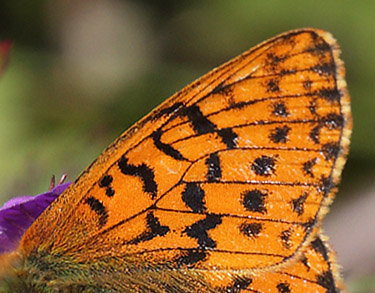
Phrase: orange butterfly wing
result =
(230, 174)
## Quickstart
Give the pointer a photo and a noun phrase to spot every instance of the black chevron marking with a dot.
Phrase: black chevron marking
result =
(166, 148)
(199, 230)
(96, 206)
(145, 173)
(154, 229)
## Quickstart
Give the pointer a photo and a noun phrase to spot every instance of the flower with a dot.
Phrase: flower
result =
(17, 215)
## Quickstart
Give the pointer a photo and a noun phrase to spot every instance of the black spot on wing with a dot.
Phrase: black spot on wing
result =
(273, 85)
(333, 121)
(251, 230)
(325, 185)
(109, 192)
(307, 167)
(279, 134)
(332, 95)
(229, 137)
(283, 287)
(166, 148)
(279, 109)
(330, 150)
(145, 173)
(153, 230)
(199, 230)
(97, 207)
(253, 200)
(193, 197)
(105, 182)
(273, 60)
(214, 168)
(285, 238)
(263, 166)
(298, 204)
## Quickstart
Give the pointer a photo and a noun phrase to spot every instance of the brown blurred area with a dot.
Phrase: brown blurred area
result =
(83, 71)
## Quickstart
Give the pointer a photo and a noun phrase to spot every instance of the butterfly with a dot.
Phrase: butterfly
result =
(222, 188)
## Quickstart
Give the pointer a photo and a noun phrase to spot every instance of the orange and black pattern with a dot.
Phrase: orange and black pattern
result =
(221, 188)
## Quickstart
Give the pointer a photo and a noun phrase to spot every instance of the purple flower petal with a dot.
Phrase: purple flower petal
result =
(19, 213)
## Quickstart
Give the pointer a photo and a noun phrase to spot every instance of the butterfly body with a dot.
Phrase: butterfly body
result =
(221, 188)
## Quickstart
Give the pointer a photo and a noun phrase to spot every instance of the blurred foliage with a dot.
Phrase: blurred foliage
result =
(55, 120)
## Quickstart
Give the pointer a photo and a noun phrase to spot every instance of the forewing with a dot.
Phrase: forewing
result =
(233, 172)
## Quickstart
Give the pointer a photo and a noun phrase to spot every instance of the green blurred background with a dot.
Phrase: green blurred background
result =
(83, 71)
